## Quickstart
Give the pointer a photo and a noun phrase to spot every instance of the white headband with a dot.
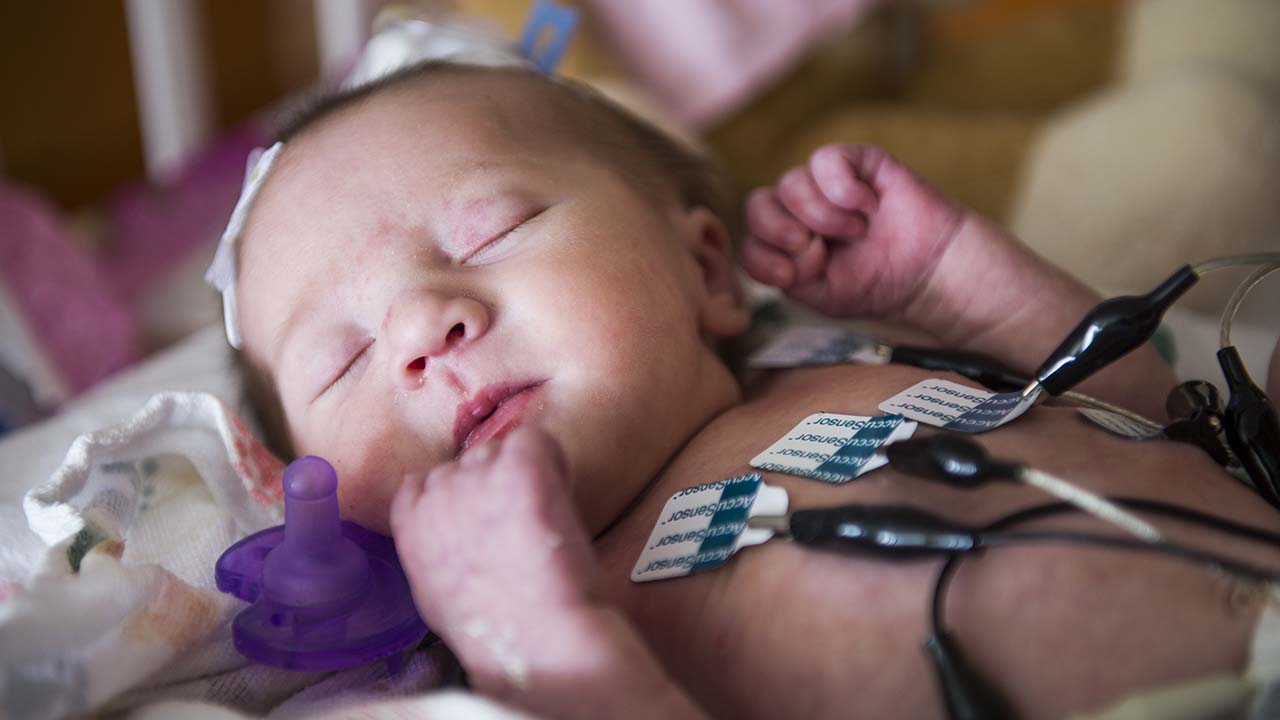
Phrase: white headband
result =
(222, 271)
(401, 43)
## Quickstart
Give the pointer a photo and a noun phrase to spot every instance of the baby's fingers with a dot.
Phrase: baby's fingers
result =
(406, 498)
(767, 264)
(770, 222)
(834, 171)
(801, 196)
(529, 448)
(811, 262)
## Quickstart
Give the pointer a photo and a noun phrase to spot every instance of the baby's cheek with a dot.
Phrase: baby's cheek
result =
(370, 465)
(366, 500)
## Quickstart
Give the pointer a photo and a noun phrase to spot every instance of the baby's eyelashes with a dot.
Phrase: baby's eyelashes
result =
(347, 371)
(486, 250)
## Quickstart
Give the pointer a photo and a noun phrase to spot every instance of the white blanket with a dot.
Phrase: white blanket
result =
(120, 608)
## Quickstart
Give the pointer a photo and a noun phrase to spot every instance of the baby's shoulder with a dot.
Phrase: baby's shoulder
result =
(790, 395)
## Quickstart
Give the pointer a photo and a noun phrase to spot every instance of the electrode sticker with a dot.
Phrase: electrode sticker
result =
(702, 527)
(952, 406)
(1122, 425)
(834, 448)
(816, 345)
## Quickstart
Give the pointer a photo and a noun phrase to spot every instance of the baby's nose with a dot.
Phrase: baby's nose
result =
(423, 326)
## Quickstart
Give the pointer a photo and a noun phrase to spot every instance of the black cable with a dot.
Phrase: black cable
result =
(966, 694)
(902, 532)
(1155, 507)
(960, 462)
(1213, 522)
(976, 366)
(1212, 560)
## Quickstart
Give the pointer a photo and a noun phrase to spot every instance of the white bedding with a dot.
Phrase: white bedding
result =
(29, 456)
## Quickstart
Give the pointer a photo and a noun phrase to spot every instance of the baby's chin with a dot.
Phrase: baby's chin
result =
(603, 484)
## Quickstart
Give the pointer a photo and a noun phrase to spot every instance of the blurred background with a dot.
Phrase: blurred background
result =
(1121, 138)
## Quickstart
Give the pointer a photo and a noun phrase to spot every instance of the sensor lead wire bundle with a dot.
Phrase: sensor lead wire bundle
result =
(967, 695)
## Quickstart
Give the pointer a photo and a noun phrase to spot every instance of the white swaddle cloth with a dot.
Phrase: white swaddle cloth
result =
(123, 609)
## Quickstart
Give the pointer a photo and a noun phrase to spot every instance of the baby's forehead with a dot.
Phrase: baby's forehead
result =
(393, 146)
(386, 162)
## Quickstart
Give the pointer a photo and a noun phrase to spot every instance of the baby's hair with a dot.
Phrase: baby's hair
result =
(263, 400)
(643, 154)
(652, 161)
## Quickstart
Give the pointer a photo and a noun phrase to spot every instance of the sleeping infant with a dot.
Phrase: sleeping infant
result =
(495, 302)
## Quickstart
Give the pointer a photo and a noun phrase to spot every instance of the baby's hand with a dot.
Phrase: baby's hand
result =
(501, 568)
(852, 233)
(493, 550)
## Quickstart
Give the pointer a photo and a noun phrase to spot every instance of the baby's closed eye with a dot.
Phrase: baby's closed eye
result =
(486, 250)
(351, 364)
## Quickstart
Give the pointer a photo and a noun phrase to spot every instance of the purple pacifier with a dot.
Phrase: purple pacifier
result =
(327, 594)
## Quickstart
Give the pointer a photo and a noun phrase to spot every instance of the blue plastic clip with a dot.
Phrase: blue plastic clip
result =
(546, 34)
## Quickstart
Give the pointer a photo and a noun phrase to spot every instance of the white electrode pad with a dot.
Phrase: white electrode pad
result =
(816, 345)
(952, 406)
(702, 527)
(834, 448)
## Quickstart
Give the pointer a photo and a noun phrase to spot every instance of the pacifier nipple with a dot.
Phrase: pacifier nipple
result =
(326, 593)
(315, 565)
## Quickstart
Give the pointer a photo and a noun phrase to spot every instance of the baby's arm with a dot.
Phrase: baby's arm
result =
(502, 570)
(853, 233)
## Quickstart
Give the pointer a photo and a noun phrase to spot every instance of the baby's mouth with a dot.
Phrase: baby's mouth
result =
(493, 412)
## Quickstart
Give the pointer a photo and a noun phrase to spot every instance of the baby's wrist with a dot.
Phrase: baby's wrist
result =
(586, 657)
(991, 294)
(988, 289)
(944, 305)
(501, 652)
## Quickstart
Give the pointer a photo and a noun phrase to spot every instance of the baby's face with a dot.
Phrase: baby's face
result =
(429, 269)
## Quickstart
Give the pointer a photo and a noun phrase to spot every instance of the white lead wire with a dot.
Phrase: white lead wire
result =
(1091, 503)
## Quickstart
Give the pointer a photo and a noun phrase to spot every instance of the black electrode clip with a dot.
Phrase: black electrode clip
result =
(949, 459)
(1251, 428)
(1195, 408)
(884, 531)
(1110, 331)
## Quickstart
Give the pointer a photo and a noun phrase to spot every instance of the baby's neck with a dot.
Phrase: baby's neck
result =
(719, 393)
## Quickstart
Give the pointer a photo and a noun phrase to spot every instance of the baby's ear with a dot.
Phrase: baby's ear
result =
(722, 309)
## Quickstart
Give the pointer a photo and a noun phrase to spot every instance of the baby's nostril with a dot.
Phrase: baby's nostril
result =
(418, 364)
(457, 332)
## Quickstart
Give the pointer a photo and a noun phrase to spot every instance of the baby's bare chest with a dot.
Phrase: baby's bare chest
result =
(786, 631)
